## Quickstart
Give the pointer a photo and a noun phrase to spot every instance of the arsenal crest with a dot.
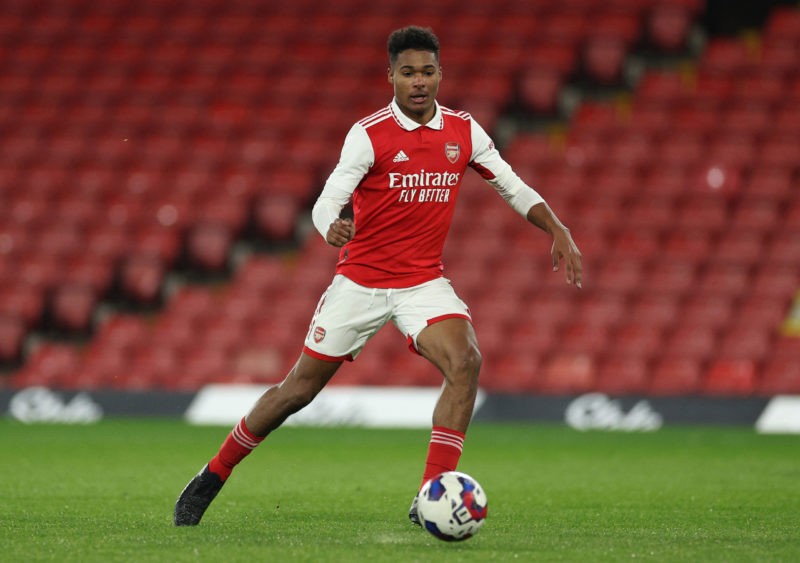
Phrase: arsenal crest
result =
(319, 334)
(452, 151)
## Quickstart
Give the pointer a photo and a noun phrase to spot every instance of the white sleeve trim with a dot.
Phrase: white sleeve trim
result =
(519, 195)
(356, 159)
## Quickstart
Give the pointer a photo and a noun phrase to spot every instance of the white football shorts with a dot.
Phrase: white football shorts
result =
(349, 314)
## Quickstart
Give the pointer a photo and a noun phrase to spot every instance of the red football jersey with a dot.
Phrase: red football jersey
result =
(403, 180)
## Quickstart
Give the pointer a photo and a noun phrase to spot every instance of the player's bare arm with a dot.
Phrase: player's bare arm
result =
(341, 232)
(564, 248)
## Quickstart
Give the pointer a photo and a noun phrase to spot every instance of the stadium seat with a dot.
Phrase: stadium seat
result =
(120, 331)
(776, 281)
(780, 376)
(49, 365)
(603, 60)
(765, 312)
(784, 247)
(668, 27)
(655, 308)
(724, 278)
(691, 342)
(742, 342)
(675, 376)
(754, 216)
(705, 213)
(22, 301)
(72, 307)
(730, 377)
(622, 375)
(783, 23)
(743, 247)
(725, 56)
(660, 88)
(673, 276)
(141, 279)
(622, 276)
(539, 90)
(208, 247)
(276, 216)
(708, 310)
(568, 374)
(12, 337)
(518, 373)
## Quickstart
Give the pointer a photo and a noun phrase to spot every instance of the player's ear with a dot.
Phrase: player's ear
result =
(389, 76)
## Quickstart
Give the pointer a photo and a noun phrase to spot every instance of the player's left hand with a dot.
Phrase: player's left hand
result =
(564, 248)
(341, 232)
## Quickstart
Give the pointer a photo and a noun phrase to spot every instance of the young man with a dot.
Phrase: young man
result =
(402, 168)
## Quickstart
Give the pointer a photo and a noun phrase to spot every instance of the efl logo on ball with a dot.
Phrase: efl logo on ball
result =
(452, 506)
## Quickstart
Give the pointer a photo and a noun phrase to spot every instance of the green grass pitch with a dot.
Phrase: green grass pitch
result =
(105, 492)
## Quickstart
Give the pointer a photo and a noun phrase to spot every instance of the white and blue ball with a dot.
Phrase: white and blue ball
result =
(452, 506)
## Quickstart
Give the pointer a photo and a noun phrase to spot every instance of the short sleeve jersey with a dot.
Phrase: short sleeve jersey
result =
(405, 180)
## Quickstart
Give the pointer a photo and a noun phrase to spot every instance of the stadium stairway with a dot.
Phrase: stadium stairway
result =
(156, 170)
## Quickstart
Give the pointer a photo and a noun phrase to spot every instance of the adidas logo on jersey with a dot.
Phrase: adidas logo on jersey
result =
(400, 157)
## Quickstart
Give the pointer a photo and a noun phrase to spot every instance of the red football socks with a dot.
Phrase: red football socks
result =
(444, 452)
(238, 445)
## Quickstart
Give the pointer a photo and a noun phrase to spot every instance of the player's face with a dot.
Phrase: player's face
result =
(415, 76)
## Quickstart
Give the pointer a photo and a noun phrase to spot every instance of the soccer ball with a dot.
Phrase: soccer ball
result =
(452, 506)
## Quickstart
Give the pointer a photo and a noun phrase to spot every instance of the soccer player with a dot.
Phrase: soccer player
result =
(401, 168)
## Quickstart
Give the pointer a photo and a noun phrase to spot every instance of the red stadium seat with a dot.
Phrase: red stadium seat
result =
(753, 217)
(780, 150)
(208, 247)
(539, 90)
(725, 56)
(746, 343)
(724, 279)
(673, 277)
(740, 247)
(50, 365)
(276, 216)
(22, 301)
(568, 374)
(776, 282)
(668, 27)
(72, 307)
(783, 22)
(780, 377)
(622, 276)
(661, 87)
(622, 375)
(764, 312)
(638, 338)
(702, 212)
(12, 337)
(141, 278)
(604, 59)
(707, 310)
(691, 342)
(768, 183)
(513, 374)
(784, 248)
(730, 377)
(675, 376)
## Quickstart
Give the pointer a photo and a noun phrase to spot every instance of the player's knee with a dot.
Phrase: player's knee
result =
(298, 395)
(466, 365)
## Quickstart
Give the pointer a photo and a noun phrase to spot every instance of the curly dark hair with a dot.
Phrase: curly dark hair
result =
(412, 37)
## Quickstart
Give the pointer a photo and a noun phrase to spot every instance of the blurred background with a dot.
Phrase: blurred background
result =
(158, 161)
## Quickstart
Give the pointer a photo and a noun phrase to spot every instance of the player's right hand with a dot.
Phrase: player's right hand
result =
(341, 232)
